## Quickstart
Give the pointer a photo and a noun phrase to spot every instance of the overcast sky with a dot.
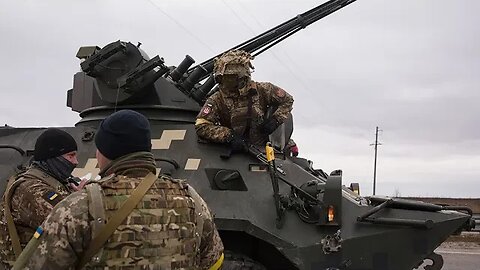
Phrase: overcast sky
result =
(410, 67)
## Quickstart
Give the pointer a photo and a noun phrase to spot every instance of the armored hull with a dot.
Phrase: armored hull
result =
(245, 211)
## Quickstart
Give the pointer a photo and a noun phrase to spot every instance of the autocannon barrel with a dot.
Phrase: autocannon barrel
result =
(275, 35)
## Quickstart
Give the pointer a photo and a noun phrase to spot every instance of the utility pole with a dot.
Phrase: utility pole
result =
(375, 161)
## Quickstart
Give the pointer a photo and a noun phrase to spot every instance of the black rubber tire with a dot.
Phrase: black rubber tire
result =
(237, 261)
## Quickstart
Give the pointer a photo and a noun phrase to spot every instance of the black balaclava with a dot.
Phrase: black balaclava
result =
(58, 167)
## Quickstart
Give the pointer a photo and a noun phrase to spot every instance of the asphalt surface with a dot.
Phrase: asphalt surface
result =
(459, 255)
(464, 260)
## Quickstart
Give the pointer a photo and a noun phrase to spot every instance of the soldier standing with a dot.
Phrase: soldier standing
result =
(237, 114)
(31, 195)
(130, 219)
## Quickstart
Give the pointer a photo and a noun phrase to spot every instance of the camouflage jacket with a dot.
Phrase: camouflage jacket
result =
(160, 233)
(224, 113)
(31, 201)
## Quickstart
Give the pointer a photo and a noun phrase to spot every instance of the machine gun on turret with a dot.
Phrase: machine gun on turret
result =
(121, 74)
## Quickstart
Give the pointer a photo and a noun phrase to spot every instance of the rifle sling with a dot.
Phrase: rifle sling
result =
(248, 125)
(97, 243)
(12, 230)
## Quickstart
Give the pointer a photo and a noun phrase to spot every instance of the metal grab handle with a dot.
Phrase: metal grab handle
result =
(419, 205)
(374, 210)
(458, 208)
(425, 224)
(16, 148)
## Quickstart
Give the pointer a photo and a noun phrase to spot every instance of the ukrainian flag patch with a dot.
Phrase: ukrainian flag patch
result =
(52, 195)
(38, 232)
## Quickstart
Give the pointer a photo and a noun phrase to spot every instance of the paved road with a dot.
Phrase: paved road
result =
(460, 259)
(460, 256)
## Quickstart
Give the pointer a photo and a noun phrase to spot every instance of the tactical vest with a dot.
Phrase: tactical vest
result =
(24, 232)
(240, 112)
(160, 233)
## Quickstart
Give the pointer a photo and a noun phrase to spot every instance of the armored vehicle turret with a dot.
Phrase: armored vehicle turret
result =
(271, 215)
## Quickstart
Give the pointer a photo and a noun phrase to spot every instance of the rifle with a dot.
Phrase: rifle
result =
(270, 155)
(263, 158)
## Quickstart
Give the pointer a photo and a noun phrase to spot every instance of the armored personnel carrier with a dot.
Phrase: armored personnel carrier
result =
(271, 213)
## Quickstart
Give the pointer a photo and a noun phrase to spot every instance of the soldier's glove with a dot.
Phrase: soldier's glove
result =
(269, 125)
(238, 144)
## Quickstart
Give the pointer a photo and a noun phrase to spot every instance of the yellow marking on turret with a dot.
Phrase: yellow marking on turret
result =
(90, 167)
(166, 139)
(192, 164)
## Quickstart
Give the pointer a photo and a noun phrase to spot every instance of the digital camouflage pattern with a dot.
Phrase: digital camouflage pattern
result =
(31, 202)
(226, 112)
(160, 233)
(233, 62)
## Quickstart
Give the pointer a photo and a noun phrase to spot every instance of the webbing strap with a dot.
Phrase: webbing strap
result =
(246, 132)
(44, 177)
(223, 109)
(198, 201)
(95, 207)
(12, 230)
(97, 243)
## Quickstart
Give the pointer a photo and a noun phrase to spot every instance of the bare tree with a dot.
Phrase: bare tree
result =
(397, 193)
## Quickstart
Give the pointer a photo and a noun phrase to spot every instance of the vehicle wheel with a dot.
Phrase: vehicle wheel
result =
(237, 261)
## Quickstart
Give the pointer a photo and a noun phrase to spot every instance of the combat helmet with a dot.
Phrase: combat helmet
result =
(233, 62)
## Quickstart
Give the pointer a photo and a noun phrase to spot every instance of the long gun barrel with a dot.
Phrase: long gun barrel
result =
(268, 39)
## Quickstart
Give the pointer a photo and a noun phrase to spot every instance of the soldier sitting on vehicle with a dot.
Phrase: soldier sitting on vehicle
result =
(237, 114)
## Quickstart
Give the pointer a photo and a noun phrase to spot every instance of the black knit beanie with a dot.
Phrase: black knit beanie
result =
(53, 142)
(122, 133)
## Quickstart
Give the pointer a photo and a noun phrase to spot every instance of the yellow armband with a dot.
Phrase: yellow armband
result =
(200, 121)
(218, 264)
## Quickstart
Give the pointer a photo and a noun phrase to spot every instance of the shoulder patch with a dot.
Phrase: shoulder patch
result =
(280, 92)
(51, 197)
(207, 108)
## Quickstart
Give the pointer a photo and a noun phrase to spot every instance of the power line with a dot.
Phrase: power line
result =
(262, 26)
(238, 16)
(183, 27)
(251, 15)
